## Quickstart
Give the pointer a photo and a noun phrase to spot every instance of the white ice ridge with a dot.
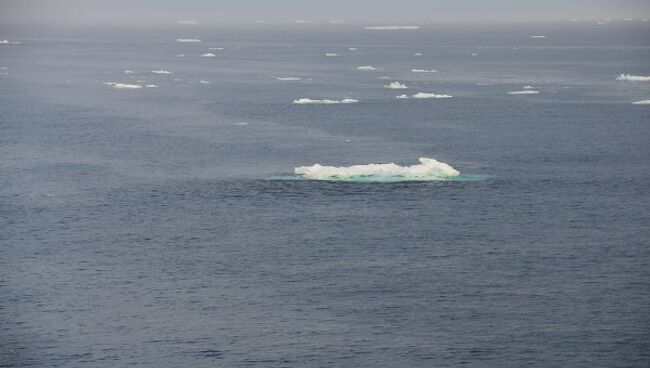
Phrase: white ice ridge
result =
(396, 85)
(424, 71)
(633, 78)
(422, 95)
(189, 40)
(308, 101)
(161, 71)
(390, 28)
(428, 169)
(525, 92)
(208, 55)
(123, 85)
(288, 78)
(642, 102)
(366, 68)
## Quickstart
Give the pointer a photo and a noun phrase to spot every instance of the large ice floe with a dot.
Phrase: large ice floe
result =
(633, 78)
(427, 170)
(308, 101)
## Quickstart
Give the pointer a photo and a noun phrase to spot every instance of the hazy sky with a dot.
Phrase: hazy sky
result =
(366, 11)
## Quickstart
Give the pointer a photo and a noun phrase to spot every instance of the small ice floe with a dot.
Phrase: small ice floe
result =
(308, 101)
(204, 81)
(129, 72)
(538, 36)
(188, 40)
(352, 49)
(422, 95)
(396, 85)
(302, 21)
(161, 71)
(8, 42)
(215, 48)
(417, 54)
(423, 71)
(180, 55)
(642, 102)
(151, 86)
(288, 79)
(524, 92)
(337, 21)
(331, 54)
(240, 124)
(188, 22)
(366, 68)
(123, 85)
(391, 28)
(633, 78)
(528, 87)
(208, 55)
(474, 53)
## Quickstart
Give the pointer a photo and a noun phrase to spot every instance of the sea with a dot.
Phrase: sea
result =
(151, 214)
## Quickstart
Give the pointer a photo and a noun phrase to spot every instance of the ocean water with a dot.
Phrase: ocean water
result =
(165, 227)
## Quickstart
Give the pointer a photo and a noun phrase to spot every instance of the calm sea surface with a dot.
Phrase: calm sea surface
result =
(161, 227)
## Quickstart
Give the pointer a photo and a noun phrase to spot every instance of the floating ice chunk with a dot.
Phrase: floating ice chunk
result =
(301, 21)
(396, 85)
(204, 81)
(215, 48)
(161, 71)
(352, 48)
(423, 95)
(129, 72)
(208, 55)
(123, 85)
(403, 96)
(337, 21)
(428, 169)
(180, 55)
(151, 86)
(187, 22)
(642, 102)
(529, 87)
(366, 68)
(417, 54)
(7, 42)
(331, 54)
(188, 40)
(288, 78)
(307, 101)
(391, 28)
(540, 36)
(525, 92)
(633, 78)
(424, 71)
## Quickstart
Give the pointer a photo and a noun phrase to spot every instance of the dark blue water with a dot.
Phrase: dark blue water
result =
(148, 227)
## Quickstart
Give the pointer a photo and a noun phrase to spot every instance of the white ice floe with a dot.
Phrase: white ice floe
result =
(540, 36)
(161, 71)
(417, 54)
(290, 79)
(151, 86)
(188, 22)
(642, 102)
(204, 81)
(188, 40)
(428, 169)
(180, 55)
(524, 92)
(528, 87)
(352, 48)
(215, 48)
(123, 85)
(129, 72)
(308, 101)
(633, 78)
(337, 21)
(424, 71)
(331, 54)
(366, 68)
(423, 95)
(396, 85)
(391, 28)
(8, 42)
(301, 21)
(208, 55)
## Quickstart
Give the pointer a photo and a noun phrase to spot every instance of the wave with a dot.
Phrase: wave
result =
(123, 85)
(642, 102)
(525, 92)
(428, 169)
(188, 40)
(208, 55)
(423, 71)
(288, 78)
(366, 68)
(391, 28)
(396, 85)
(308, 101)
(422, 95)
(161, 71)
(633, 78)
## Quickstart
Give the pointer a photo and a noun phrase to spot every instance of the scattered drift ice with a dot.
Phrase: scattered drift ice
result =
(428, 169)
